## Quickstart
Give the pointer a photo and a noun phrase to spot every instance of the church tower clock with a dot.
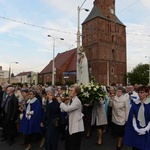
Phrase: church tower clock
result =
(107, 7)
(104, 42)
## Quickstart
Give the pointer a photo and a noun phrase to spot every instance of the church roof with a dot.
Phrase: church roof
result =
(60, 60)
(96, 12)
(118, 21)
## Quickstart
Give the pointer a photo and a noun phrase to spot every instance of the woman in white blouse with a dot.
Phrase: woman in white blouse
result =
(75, 119)
(120, 110)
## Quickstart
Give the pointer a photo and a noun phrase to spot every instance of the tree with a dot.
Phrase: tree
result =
(139, 75)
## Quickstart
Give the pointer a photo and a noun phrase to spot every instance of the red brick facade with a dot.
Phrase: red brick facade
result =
(104, 41)
(65, 64)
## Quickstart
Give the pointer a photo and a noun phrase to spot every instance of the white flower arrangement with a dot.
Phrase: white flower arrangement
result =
(91, 93)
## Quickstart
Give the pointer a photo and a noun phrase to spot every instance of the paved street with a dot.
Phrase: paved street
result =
(87, 144)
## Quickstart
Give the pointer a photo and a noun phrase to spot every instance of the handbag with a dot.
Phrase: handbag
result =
(55, 122)
(64, 121)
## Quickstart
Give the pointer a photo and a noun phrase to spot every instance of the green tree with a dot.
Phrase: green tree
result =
(139, 75)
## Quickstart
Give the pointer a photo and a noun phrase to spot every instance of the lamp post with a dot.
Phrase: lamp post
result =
(78, 43)
(108, 73)
(149, 67)
(10, 70)
(53, 64)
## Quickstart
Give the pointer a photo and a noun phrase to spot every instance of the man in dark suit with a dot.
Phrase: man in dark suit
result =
(10, 113)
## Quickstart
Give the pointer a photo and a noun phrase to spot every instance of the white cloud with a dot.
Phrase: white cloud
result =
(68, 8)
(137, 44)
(8, 26)
(146, 3)
(44, 50)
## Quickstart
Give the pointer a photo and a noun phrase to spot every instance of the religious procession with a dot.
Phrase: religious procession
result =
(84, 97)
(48, 114)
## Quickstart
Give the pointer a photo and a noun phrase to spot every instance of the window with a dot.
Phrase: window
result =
(113, 54)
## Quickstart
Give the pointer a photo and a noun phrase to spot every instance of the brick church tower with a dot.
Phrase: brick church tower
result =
(104, 42)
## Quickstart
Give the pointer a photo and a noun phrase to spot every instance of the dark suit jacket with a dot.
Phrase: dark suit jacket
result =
(52, 112)
(1, 98)
(12, 109)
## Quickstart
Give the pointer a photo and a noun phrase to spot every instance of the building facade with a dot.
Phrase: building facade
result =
(4, 74)
(29, 77)
(65, 69)
(104, 42)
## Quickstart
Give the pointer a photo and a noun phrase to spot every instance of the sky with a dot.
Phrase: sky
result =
(25, 24)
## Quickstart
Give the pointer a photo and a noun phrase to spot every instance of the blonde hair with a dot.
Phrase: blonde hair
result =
(76, 87)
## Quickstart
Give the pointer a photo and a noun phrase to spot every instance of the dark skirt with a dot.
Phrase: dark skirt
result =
(118, 129)
(100, 127)
(51, 139)
(87, 111)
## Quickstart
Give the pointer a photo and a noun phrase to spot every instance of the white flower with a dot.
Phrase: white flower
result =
(86, 94)
(95, 89)
(82, 90)
(86, 85)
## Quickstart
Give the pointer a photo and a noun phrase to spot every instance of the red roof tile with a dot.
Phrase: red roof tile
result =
(23, 73)
(60, 59)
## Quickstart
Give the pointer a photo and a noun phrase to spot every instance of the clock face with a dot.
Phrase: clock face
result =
(111, 10)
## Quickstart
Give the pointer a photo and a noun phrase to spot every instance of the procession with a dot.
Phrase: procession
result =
(46, 115)
(95, 96)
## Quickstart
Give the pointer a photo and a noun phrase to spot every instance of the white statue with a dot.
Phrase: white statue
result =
(83, 64)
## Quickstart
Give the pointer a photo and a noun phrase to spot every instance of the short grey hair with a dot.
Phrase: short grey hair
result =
(50, 89)
(11, 88)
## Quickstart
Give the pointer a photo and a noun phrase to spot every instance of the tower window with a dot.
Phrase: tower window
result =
(112, 38)
(113, 54)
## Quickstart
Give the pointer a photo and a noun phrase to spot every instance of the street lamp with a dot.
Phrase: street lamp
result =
(78, 42)
(53, 68)
(10, 70)
(149, 67)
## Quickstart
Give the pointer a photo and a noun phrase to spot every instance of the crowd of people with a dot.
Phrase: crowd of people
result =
(46, 113)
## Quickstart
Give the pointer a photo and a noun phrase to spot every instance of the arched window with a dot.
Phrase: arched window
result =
(113, 54)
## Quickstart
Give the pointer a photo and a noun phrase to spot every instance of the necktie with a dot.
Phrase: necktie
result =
(141, 116)
(70, 102)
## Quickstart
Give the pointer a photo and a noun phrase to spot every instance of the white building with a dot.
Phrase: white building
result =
(4, 75)
(29, 77)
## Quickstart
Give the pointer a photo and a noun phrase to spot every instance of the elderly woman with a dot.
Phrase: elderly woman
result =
(100, 118)
(51, 120)
(120, 109)
(75, 123)
(137, 130)
(32, 117)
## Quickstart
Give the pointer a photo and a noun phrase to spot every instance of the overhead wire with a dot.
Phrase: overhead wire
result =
(56, 30)
(129, 6)
(37, 26)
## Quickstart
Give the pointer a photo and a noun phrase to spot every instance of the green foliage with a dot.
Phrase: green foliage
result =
(49, 83)
(139, 75)
(58, 83)
(40, 83)
(69, 83)
(19, 84)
